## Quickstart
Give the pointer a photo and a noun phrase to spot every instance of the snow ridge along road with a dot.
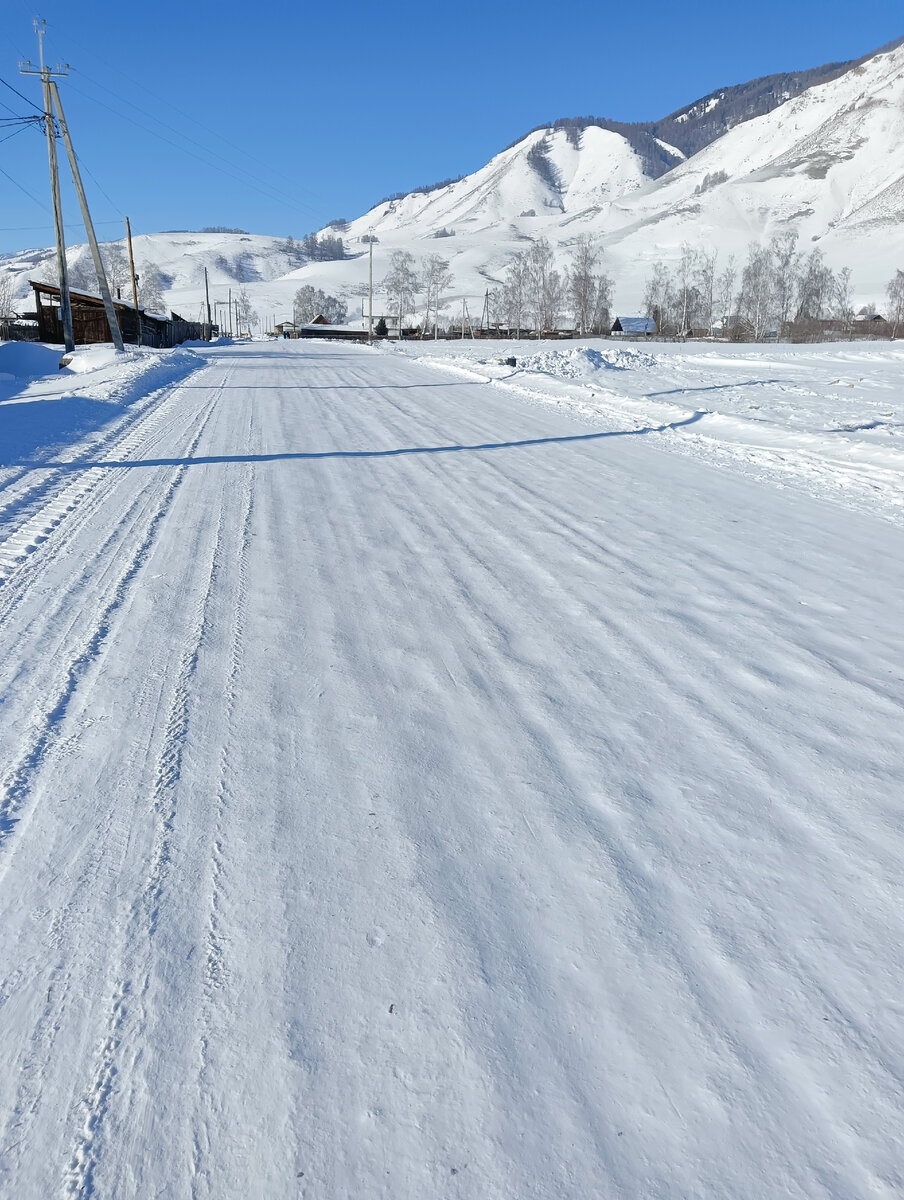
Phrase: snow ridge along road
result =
(408, 791)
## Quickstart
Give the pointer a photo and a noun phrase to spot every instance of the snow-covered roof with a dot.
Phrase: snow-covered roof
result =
(634, 325)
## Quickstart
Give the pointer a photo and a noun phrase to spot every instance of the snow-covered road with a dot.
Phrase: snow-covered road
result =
(408, 792)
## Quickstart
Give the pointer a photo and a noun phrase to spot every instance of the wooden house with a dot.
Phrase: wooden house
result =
(89, 321)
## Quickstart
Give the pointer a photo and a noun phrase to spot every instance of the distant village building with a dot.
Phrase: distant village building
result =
(318, 328)
(634, 326)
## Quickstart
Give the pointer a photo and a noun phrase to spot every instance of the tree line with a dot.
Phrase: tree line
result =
(535, 292)
(778, 291)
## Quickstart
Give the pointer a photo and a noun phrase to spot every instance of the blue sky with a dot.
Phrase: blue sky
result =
(279, 118)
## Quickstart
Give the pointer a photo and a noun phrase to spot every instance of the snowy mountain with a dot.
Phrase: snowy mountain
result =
(816, 152)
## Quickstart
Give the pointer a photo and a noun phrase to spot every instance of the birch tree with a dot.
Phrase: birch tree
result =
(725, 290)
(786, 272)
(756, 298)
(895, 293)
(512, 296)
(401, 283)
(116, 265)
(658, 295)
(436, 278)
(705, 286)
(150, 288)
(582, 283)
(544, 285)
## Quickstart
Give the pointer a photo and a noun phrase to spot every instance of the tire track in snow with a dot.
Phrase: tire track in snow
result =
(111, 842)
(216, 970)
(45, 504)
(143, 920)
(17, 783)
(18, 488)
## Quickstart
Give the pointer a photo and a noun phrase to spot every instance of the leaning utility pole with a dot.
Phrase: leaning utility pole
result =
(112, 319)
(46, 75)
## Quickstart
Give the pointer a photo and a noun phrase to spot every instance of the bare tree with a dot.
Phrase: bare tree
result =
(7, 295)
(601, 313)
(82, 276)
(684, 288)
(658, 295)
(725, 291)
(895, 293)
(705, 287)
(436, 278)
(311, 302)
(582, 283)
(545, 287)
(512, 300)
(786, 274)
(401, 283)
(756, 299)
(245, 315)
(150, 288)
(814, 288)
(843, 299)
(116, 264)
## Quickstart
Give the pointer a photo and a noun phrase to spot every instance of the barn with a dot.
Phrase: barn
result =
(90, 325)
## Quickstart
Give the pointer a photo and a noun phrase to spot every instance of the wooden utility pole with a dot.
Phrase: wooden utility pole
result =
(112, 319)
(207, 299)
(134, 278)
(370, 293)
(62, 269)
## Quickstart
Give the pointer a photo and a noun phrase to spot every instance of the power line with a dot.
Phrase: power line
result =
(270, 193)
(167, 101)
(39, 228)
(39, 203)
(21, 96)
(201, 145)
(13, 134)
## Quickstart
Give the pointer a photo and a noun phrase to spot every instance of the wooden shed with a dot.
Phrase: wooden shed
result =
(89, 321)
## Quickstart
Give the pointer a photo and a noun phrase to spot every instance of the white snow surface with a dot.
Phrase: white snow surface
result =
(435, 778)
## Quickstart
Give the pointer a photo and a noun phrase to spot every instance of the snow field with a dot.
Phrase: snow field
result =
(824, 419)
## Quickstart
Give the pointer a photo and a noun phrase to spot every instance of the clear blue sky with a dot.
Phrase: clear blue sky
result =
(278, 118)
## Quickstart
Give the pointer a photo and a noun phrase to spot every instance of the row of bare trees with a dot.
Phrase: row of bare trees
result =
(407, 278)
(535, 293)
(779, 290)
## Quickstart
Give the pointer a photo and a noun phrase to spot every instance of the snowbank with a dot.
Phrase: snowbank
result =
(581, 361)
(28, 360)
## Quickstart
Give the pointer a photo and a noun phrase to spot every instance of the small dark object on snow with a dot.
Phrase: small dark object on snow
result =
(510, 362)
(391, 1007)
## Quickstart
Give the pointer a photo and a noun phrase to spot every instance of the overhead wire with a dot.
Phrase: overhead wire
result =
(109, 67)
(21, 96)
(270, 193)
(201, 145)
(24, 189)
(14, 132)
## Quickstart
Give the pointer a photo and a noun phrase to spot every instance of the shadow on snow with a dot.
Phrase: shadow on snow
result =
(398, 452)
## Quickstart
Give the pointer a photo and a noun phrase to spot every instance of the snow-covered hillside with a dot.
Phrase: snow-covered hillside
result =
(827, 163)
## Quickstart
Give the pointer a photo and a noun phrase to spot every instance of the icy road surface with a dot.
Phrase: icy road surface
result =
(408, 792)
